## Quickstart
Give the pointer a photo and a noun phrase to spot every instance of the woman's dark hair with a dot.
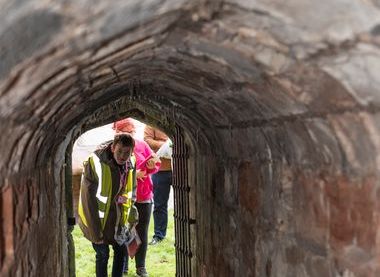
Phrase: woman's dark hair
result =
(124, 139)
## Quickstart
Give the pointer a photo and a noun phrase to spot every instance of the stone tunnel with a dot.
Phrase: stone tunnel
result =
(274, 107)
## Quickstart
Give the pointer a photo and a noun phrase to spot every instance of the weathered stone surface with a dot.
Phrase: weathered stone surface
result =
(356, 69)
(27, 36)
(279, 105)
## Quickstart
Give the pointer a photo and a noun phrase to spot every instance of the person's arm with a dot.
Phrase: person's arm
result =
(150, 138)
(89, 186)
(149, 162)
(152, 162)
(133, 212)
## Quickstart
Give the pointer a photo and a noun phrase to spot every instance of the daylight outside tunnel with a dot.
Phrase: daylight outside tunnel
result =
(160, 257)
(273, 108)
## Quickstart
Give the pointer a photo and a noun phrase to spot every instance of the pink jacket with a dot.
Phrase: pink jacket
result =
(143, 153)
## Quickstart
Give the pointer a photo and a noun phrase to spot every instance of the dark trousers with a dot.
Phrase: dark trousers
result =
(162, 181)
(145, 210)
(102, 255)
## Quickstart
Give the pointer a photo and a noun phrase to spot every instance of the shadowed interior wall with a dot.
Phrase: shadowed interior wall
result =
(278, 101)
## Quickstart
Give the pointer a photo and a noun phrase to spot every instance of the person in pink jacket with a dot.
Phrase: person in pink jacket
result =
(146, 164)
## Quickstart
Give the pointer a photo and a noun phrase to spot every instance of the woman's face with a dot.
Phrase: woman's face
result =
(121, 153)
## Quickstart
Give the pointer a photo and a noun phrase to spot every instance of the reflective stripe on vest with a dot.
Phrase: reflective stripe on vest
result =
(99, 172)
(104, 191)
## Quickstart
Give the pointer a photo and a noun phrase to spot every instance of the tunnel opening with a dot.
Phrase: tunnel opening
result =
(161, 262)
(181, 195)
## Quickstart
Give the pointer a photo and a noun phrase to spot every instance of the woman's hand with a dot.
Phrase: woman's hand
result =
(151, 163)
(140, 174)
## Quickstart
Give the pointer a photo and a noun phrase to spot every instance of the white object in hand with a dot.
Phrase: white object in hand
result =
(166, 150)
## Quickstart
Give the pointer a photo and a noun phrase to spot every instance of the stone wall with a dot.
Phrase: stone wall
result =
(279, 104)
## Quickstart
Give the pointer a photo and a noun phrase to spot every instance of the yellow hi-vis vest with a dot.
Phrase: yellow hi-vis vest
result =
(104, 191)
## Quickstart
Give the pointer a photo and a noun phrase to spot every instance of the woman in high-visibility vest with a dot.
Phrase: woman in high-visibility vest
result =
(108, 191)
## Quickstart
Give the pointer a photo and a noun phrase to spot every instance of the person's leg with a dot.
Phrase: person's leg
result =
(102, 255)
(126, 261)
(118, 260)
(145, 210)
(161, 189)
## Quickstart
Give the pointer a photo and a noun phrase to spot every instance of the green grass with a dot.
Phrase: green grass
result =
(160, 260)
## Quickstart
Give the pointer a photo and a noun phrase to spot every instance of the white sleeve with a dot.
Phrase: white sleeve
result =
(166, 150)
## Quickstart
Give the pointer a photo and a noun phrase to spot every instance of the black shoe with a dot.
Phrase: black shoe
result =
(155, 241)
(141, 272)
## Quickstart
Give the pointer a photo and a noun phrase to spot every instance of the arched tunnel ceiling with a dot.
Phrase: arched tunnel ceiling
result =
(284, 94)
(220, 63)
